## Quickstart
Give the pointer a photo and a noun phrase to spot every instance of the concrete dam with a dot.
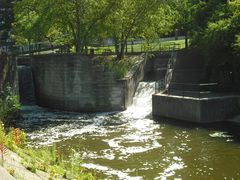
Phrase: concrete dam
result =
(78, 83)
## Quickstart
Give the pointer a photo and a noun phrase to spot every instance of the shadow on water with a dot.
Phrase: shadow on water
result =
(227, 129)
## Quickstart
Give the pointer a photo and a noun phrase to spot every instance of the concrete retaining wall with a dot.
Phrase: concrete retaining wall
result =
(157, 67)
(8, 72)
(77, 83)
(204, 110)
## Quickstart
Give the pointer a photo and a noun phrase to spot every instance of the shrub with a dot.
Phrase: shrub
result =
(9, 104)
(119, 67)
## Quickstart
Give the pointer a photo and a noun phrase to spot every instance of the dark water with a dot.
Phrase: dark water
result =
(131, 145)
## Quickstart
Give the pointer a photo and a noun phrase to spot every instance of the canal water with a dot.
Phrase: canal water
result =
(132, 145)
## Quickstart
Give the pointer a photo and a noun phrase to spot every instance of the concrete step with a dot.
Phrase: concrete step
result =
(192, 76)
(208, 87)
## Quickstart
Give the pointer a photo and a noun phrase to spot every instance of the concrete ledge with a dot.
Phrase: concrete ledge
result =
(198, 110)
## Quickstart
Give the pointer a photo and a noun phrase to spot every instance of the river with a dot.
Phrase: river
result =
(132, 145)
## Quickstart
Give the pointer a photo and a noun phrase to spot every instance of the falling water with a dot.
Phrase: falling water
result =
(26, 86)
(131, 145)
(66, 125)
(142, 101)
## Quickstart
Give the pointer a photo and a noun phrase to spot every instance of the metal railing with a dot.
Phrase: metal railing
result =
(39, 47)
(170, 66)
(163, 84)
(139, 48)
(34, 48)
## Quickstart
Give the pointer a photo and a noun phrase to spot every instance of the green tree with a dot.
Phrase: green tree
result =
(60, 21)
(81, 22)
(132, 19)
(6, 18)
(188, 16)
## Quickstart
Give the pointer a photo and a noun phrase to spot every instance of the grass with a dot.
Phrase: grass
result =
(48, 159)
(143, 47)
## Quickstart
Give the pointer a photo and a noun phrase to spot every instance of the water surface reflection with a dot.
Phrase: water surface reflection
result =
(131, 145)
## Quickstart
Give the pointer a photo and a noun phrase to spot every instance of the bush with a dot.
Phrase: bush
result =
(9, 105)
(46, 159)
(119, 67)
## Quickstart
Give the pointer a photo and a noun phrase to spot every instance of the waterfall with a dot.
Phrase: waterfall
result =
(142, 101)
(26, 85)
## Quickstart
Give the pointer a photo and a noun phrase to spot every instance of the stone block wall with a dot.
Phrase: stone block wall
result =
(77, 83)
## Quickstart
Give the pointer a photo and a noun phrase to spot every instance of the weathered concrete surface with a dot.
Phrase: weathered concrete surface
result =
(157, 66)
(188, 69)
(8, 72)
(132, 79)
(198, 110)
(78, 83)
(4, 175)
(14, 162)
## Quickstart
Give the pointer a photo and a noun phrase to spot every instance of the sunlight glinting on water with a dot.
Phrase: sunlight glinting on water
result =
(133, 126)
(129, 144)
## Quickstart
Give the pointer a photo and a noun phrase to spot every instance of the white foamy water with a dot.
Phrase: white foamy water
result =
(53, 125)
(114, 137)
(142, 101)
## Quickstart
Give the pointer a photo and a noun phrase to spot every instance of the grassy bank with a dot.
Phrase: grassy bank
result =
(47, 160)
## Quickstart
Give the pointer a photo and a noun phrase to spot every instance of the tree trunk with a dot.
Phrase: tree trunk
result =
(78, 47)
(116, 44)
(126, 48)
(121, 54)
(186, 40)
(78, 41)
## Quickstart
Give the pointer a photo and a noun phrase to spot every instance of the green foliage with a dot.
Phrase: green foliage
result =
(2, 143)
(9, 104)
(11, 171)
(237, 45)
(214, 25)
(60, 21)
(46, 159)
(137, 19)
(83, 22)
(49, 160)
(119, 67)
(218, 38)
(15, 138)
(2, 134)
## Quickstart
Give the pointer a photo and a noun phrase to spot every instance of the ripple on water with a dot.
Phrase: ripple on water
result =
(130, 145)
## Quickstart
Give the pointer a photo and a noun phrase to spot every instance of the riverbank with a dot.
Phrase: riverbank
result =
(5, 175)
(14, 169)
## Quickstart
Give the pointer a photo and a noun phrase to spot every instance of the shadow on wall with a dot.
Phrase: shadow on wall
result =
(8, 72)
